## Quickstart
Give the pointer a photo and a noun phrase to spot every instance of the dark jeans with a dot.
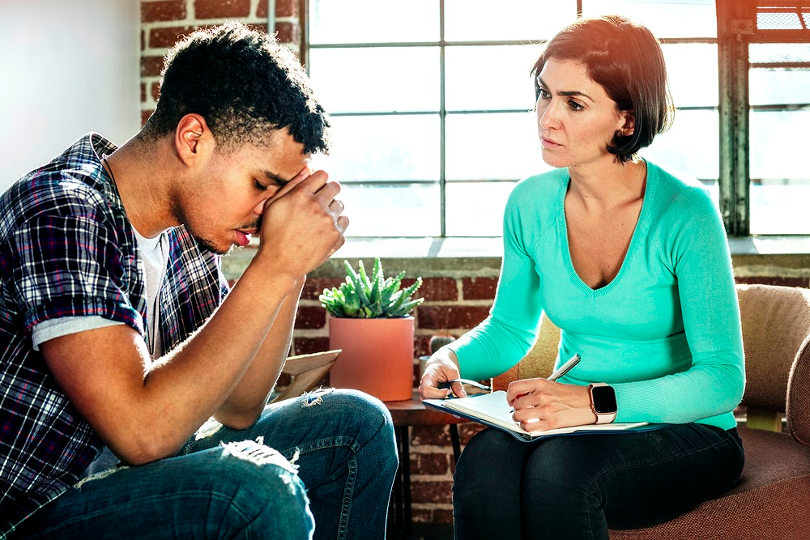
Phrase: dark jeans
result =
(577, 486)
(225, 484)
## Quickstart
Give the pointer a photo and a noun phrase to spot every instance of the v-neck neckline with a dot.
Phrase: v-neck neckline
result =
(641, 224)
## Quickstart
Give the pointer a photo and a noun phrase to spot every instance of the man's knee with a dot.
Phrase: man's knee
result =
(357, 413)
(262, 492)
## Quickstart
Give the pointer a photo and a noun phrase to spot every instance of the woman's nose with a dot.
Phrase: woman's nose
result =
(547, 114)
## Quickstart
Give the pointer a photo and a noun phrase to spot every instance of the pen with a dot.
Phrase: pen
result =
(565, 368)
(447, 384)
(559, 372)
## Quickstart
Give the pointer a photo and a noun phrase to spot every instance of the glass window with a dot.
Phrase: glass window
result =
(506, 20)
(402, 79)
(691, 145)
(372, 21)
(492, 146)
(490, 77)
(476, 208)
(383, 148)
(666, 19)
(437, 121)
(779, 80)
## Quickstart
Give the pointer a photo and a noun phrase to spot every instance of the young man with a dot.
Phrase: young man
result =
(118, 333)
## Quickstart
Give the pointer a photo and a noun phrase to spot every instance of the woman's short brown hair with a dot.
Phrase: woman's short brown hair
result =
(626, 59)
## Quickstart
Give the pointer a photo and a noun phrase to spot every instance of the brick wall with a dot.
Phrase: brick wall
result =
(163, 22)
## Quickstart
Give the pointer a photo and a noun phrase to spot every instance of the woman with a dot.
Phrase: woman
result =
(632, 264)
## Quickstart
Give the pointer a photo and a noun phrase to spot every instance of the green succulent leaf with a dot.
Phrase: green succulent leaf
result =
(375, 296)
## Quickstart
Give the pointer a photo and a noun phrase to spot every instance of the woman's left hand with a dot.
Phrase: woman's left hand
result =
(541, 404)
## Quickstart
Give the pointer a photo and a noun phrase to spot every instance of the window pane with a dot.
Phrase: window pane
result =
(476, 209)
(519, 20)
(779, 52)
(691, 145)
(490, 77)
(372, 21)
(402, 79)
(665, 18)
(383, 148)
(493, 146)
(779, 209)
(692, 73)
(769, 86)
(780, 177)
(401, 210)
(779, 145)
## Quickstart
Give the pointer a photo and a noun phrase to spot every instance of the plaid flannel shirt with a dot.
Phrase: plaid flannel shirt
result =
(67, 249)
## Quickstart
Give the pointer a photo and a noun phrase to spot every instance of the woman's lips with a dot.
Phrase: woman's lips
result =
(548, 143)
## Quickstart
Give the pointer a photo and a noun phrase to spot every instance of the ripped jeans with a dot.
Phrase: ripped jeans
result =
(223, 484)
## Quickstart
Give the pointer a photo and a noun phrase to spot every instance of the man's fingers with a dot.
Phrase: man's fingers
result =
(302, 175)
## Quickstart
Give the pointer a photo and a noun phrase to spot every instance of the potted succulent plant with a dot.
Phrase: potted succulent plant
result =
(370, 320)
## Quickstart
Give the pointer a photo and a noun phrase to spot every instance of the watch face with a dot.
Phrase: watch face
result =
(604, 399)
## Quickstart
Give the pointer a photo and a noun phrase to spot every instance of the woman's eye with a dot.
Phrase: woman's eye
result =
(259, 185)
(575, 106)
(543, 93)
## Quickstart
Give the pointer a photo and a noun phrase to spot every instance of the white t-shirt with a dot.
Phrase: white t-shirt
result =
(154, 255)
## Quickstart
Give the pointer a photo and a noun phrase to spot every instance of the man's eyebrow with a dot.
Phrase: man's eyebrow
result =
(276, 179)
(575, 93)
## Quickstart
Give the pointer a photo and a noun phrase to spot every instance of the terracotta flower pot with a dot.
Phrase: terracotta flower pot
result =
(377, 356)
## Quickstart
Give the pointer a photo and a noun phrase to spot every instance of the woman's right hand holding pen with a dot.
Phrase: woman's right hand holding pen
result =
(440, 368)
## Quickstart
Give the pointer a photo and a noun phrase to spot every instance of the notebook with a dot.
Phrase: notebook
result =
(493, 410)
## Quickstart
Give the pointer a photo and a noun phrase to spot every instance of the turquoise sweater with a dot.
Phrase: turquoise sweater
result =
(665, 332)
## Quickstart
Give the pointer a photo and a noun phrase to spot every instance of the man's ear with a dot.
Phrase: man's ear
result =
(628, 126)
(192, 137)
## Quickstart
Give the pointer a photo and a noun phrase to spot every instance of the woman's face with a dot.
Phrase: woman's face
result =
(575, 117)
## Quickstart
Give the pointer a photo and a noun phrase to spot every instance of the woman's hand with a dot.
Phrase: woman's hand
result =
(441, 367)
(541, 404)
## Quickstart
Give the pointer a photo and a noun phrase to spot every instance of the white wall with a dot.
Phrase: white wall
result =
(67, 67)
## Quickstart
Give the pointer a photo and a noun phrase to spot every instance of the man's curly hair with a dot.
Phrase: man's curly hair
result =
(244, 84)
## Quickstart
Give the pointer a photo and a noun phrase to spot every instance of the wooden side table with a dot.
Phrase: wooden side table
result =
(413, 413)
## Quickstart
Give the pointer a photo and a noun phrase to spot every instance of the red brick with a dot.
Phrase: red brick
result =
(432, 435)
(143, 92)
(422, 515)
(151, 66)
(431, 463)
(218, 9)
(288, 32)
(258, 27)
(163, 38)
(308, 345)
(261, 9)
(143, 39)
(145, 116)
(285, 8)
(776, 280)
(155, 90)
(310, 317)
(435, 289)
(315, 286)
(457, 316)
(479, 288)
(442, 516)
(467, 431)
(166, 10)
(435, 492)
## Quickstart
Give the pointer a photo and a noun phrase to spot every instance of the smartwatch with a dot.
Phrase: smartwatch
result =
(603, 402)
